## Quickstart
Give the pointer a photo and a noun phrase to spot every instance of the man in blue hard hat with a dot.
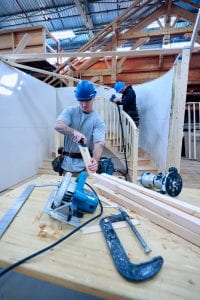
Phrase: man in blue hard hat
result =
(128, 100)
(80, 123)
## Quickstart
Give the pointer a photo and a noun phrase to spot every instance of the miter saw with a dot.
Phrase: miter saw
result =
(69, 200)
(170, 183)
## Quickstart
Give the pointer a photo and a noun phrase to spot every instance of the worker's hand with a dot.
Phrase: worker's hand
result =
(93, 166)
(117, 100)
(78, 136)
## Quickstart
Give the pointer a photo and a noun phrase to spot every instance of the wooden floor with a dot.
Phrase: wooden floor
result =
(190, 173)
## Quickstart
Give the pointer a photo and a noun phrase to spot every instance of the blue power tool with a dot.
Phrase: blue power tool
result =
(70, 200)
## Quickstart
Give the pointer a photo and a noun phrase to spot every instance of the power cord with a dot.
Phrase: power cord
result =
(23, 260)
(123, 146)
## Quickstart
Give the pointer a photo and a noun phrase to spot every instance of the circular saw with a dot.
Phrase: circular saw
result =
(70, 200)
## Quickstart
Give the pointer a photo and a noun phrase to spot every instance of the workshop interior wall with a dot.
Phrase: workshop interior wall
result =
(65, 97)
(27, 116)
(154, 100)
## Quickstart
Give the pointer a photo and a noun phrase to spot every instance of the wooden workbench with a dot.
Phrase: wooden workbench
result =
(83, 261)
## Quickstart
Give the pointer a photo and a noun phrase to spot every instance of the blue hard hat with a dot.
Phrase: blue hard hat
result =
(119, 85)
(85, 91)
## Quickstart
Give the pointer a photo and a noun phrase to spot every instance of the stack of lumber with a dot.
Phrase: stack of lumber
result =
(179, 217)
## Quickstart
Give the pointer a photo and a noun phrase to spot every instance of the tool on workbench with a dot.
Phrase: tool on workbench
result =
(69, 200)
(130, 271)
(135, 231)
(170, 183)
(80, 196)
(12, 211)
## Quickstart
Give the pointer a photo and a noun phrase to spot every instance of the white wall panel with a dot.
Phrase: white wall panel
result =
(27, 116)
(65, 97)
(154, 100)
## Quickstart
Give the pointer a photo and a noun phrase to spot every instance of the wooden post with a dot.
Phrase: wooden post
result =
(178, 110)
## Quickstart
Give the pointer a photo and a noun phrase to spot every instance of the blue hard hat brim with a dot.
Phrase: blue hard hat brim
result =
(87, 100)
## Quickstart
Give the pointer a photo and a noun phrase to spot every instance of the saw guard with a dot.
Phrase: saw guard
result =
(62, 189)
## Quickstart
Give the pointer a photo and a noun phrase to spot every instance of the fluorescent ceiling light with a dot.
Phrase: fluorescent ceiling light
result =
(64, 34)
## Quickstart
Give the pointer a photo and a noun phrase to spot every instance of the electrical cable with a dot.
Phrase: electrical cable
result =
(23, 260)
(123, 146)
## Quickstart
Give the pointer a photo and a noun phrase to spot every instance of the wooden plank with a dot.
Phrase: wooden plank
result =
(130, 53)
(195, 31)
(116, 225)
(10, 39)
(150, 214)
(183, 13)
(178, 109)
(174, 202)
(20, 66)
(83, 262)
(138, 43)
(153, 33)
(22, 44)
(86, 157)
(190, 222)
(6, 42)
(36, 38)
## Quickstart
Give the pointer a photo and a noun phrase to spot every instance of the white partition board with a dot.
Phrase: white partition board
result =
(154, 100)
(27, 116)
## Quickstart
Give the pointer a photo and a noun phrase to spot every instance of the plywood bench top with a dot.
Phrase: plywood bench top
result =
(83, 261)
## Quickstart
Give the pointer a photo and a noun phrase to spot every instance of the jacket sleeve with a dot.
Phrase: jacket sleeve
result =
(129, 97)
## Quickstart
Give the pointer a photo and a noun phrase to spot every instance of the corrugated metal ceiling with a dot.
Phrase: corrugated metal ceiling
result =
(56, 15)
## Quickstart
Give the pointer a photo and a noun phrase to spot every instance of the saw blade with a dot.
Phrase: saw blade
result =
(62, 190)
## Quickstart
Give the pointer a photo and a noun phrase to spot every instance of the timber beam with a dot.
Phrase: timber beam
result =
(180, 218)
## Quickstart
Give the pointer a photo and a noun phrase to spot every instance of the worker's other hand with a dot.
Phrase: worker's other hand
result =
(93, 166)
(112, 98)
(117, 100)
(78, 136)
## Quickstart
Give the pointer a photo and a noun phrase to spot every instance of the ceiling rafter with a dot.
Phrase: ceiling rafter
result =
(82, 7)
(115, 43)
(159, 32)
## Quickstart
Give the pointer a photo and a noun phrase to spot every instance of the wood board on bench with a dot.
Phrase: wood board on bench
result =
(83, 262)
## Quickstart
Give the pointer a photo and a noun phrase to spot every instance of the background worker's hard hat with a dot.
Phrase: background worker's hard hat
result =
(85, 91)
(119, 85)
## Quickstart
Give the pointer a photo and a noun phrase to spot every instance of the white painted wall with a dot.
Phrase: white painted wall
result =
(154, 100)
(27, 116)
(65, 97)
